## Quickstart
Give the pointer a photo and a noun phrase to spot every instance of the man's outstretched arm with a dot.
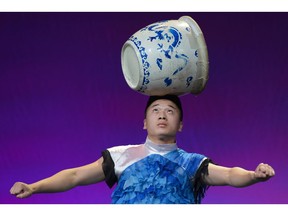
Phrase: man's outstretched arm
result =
(62, 181)
(237, 176)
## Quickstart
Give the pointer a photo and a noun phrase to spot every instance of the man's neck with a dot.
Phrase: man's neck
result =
(162, 139)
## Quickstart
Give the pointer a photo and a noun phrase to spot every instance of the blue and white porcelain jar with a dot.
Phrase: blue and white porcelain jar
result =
(167, 57)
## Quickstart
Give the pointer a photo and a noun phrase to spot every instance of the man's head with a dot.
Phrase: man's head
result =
(163, 118)
(173, 98)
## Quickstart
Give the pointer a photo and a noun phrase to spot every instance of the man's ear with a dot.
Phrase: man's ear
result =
(144, 124)
(180, 126)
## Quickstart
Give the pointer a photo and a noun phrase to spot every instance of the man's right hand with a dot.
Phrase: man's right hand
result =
(21, 190)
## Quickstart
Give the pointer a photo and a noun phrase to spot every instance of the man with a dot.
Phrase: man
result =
(154, 172)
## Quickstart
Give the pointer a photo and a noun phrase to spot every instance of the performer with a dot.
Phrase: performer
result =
(157, 171)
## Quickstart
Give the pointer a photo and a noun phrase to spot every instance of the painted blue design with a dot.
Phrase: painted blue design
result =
(146, 64)
(188, 81)
(166, 52)
(173, 37)
(184, 58)
(159, 63)
(159, 36)
(168, 81)
(167, 39)
(176, 35)
(149, 27)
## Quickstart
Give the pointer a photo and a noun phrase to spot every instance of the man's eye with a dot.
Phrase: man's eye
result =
(170, 111)
(155, 110)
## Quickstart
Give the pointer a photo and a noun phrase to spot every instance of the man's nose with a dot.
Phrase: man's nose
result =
(162, 115)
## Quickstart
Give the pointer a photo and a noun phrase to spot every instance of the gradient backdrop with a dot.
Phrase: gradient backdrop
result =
(64, 99)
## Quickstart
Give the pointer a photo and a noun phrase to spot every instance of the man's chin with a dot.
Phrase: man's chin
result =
(167, 138)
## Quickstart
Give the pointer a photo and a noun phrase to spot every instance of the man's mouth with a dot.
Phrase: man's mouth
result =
(162, 125)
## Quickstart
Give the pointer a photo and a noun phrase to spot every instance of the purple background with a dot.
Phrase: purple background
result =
(63, 98)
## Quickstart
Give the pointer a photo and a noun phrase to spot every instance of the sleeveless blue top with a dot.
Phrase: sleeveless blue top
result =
(154, 174)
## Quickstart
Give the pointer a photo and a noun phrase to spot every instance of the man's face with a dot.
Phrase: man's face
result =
(163, 120)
